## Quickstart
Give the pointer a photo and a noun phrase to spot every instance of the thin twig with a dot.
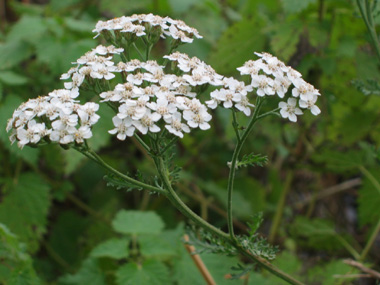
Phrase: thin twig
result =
(360, 266)
(349, 184)
(198, 262)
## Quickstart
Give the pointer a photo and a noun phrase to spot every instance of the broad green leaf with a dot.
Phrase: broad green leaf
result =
(237, 45)
(186, 272)
(89, 273)
(285, 38)
(28, 28)
(12, 53)
(19, 267)
(369, 199)
(159, 246)
(136, 222)
(332, 273)
(12, 78)
(318, 234)
(151, 272)
(295, 6)
(24, 209)
(79, 25)
(290, 264)
(112, 248)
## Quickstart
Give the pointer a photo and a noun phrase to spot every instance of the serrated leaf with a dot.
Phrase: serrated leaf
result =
(253, 160)
(112, 248)
(24, 210)
(151, 272)
(369, 200)
(237, 45)
(137, 222)
(367, 87)
(158, 247)
(12, 78)
(295, 6)
(89, 273)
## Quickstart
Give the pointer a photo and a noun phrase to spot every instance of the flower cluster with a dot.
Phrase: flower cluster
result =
(53, 118)
(270, 76)
(146, 96)
(95, 64)
(150, 26)
(151, 98)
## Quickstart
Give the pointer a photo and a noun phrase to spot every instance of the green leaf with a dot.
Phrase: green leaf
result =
(28, 28)
(253, 160)
(19, 268)
(12, 53)
(288, 263)
(367, 87)
(369, 199)
(295, 6)
(112, 248)
(24, 209)
(136, 222)
(318, 234)
(285, 38)
(180, 6)
(89, 273)
(328, 274)
(151, 272)
(79, 25)
(12, 78)
(237, 45)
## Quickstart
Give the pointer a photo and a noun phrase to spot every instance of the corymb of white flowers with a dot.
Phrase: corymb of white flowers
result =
(152, 96)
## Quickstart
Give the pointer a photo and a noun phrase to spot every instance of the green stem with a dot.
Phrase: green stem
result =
(347, 246)
(366, 13)
(140, 140)
(280, 207)
(370, 241)
(91, 154)
(138, 51)
(376, 231)
(235, 124)
(170, 144)
(180, 205)
(235, 156)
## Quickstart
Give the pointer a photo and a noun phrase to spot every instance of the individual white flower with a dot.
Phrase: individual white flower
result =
(310, 104)
(197, 78)
(289, 109)
(130, 110)
(227, 96)
(136, 79)
(250, 67)
(30, 135)
(178, 34)
(236, 86)
(100, 71)
(244, 105)
(102, 50)
(176, 127)
(68, 74)
(123, 128)
(163, 108)
(81, 134)
(87, 113)
(263, 84)
(147, 123)
(77, 80)
(199, 119)
(65, 121)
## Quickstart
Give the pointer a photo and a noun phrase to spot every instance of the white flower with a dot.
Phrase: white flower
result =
(199, 119)
(244, 105)
(289, 109)
(130, 110)
(250, 67)
(163, 108)
(84, 132)
(123, 128)
(263, 84)
(147, 123)
(227, 97)
(310, 104)
(87, 113)
(176, 127)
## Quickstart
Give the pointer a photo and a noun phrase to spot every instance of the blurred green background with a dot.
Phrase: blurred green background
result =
(319, 193)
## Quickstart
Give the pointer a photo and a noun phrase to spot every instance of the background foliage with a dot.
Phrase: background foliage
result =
(320, 192)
